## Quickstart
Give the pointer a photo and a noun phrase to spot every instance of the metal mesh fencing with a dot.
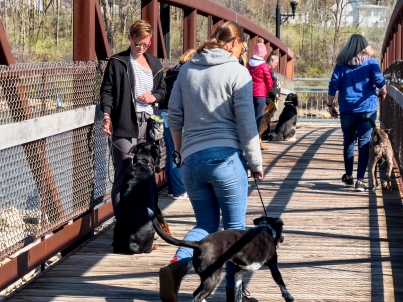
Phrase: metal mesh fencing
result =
(392, 109)
(47, 182)
(33, 90)
(313, 105)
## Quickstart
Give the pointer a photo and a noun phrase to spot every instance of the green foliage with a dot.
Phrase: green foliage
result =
(38, 35)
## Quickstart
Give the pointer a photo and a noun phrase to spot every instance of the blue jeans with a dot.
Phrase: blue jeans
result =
(354, 128)
(215, 179)
(173, 173)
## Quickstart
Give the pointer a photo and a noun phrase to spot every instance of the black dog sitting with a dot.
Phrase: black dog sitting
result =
(248, 250)
(134, 232)
(287, 122)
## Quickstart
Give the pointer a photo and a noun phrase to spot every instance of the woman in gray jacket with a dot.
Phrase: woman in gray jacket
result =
(212, 121)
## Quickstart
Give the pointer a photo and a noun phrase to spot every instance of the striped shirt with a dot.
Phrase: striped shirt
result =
(143, 81)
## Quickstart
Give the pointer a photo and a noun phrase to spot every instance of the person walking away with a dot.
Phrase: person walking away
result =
(356, 77)
(133, 82)
(261, 78)
(176, 189)
(211, 102)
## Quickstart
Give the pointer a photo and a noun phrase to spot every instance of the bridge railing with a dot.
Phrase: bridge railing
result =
(391, 108)
(392, 111)
(313, 100)
(56, 173)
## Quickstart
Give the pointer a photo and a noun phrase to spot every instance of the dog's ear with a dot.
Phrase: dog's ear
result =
(154, 151)
(276, 223)
(295, 100)
(257, 220)
(134, 150)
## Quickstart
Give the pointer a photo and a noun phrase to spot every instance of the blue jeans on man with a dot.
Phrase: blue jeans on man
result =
(216, 180)
(355, 129)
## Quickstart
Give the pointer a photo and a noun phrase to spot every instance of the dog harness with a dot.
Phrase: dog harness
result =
(265, 224)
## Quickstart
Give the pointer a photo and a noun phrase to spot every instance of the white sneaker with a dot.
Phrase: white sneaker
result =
(182, 196)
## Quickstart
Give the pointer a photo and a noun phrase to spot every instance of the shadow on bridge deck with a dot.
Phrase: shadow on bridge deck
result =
(340, 245)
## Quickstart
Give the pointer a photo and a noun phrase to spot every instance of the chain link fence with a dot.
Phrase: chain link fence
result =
(46, 182)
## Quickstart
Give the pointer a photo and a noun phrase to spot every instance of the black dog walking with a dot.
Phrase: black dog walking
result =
(239, 247)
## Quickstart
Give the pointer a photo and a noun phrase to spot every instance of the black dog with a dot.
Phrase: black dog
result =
(134, 232)
(248, 250)
(287, 121)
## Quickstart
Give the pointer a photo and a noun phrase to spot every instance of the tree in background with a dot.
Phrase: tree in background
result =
(41, 30)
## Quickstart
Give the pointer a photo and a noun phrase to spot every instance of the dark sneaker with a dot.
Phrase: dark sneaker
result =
(360, 186)
(170, 280)
(230, 292)
(349, 182)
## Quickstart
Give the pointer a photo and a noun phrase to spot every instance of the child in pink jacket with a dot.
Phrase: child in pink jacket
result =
(261, 79)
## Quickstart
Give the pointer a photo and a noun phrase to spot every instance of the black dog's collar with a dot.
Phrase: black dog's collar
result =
(265, 224)
(144, 161)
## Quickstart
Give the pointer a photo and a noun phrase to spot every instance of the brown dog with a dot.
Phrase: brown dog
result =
(381, 152)
(265, 123)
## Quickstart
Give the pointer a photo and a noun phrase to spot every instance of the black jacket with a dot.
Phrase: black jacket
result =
(117, 92)
(170, 78)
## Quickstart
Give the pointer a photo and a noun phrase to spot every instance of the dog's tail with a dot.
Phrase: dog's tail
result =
(171, 240)
(376, 130)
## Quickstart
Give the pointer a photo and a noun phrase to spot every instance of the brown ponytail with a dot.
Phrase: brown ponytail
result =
(224, 34)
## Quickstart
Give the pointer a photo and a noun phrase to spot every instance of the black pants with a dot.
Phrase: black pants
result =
(259, 102)
(123, 161)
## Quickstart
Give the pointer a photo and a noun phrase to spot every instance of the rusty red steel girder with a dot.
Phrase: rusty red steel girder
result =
(216, 15)
(90, 39)
(392, 44)
(6, 56)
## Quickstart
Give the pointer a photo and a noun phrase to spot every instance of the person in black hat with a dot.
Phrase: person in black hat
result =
(356, 77)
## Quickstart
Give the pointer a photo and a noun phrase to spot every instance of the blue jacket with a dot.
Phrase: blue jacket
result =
(356, 85)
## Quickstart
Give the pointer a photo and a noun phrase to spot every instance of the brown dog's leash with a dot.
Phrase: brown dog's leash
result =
(261, 199)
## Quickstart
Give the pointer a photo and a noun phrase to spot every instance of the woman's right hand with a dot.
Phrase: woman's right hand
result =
(257, 175)
(107, 125)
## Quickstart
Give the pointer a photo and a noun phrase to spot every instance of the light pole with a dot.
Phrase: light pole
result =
(281, 18)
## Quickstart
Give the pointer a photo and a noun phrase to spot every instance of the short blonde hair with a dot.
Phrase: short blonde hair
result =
(187, 56)
(141, 29)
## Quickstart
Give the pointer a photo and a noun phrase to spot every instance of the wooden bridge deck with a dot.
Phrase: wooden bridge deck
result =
(340, 245)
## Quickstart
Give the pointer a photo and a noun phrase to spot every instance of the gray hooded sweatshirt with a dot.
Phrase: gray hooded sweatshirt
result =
(212, 102)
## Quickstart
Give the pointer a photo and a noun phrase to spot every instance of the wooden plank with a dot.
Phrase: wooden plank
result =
(340, 245)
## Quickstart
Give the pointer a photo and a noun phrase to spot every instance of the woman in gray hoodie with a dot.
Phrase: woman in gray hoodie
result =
(212, 121)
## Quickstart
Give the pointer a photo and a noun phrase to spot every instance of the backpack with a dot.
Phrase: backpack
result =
(170, 78)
